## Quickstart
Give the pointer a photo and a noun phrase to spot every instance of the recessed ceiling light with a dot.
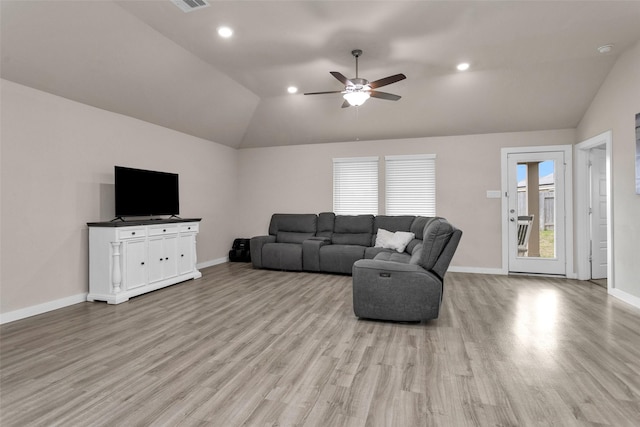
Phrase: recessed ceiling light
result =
(225, 32)
(606, 48)
(463, 66)
(292, 89)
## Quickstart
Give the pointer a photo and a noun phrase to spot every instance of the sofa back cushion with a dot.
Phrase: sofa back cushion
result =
(353, 230)
(293, 228)
(417, 228)
(418, 224)
(326, 222)
(393, 223)
(437, 233)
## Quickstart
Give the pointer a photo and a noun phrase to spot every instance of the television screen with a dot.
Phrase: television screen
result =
(145, 193)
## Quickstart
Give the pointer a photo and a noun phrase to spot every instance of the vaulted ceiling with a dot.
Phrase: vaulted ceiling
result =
(534, 64)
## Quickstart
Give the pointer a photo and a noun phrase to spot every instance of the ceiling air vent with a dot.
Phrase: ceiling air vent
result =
(190, 5)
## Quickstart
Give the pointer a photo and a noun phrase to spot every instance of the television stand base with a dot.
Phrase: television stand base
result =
(131, 258)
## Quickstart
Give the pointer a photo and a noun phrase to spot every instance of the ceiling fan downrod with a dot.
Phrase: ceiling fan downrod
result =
(356, 53)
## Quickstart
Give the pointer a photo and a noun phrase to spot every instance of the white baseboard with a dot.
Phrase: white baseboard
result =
(626, 297)
(477, 270)
(212, 262)
(34, 310)
(41, 308)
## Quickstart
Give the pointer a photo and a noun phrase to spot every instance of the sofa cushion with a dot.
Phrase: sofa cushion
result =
(436, 236)
(292, 237)
(411, 247)
(416, 254)
(418, 224)
(298, 223)
(393, 223)
(282, 256)
(325, 224)
(394, 257)
(372, 251)
(353, 224)
(352, 230)
(360, 239)
(340, 258)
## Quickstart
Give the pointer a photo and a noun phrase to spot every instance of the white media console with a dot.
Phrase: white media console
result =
(130, 258)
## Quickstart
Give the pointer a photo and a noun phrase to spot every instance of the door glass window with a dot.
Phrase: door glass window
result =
(536, 208)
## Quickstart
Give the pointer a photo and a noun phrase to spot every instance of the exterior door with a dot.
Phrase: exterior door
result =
(598, 213)
(536, 212)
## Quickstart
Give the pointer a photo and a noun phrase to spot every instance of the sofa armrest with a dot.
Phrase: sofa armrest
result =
(256, 245)
(390, 290)
(311, 252)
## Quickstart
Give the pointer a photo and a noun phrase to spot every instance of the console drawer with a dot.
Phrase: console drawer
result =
(162, 230)
(189, 228)
(131, 233)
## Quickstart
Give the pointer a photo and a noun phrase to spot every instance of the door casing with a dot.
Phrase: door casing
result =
(582, 208)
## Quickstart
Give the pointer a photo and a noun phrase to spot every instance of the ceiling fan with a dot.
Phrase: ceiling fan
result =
(357, 90)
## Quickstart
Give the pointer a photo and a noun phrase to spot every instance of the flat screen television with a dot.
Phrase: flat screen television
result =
(145, 193)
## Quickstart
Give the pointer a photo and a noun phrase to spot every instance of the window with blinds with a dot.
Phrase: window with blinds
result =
(410, 185)
(355, 186)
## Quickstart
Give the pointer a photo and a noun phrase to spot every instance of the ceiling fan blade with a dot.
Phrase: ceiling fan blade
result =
(322, 93)
(346, 104)
(387, 81)
(345, 81)
(384, 95)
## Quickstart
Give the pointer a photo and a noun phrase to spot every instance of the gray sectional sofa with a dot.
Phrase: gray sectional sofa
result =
(332, 243)
(398, 263)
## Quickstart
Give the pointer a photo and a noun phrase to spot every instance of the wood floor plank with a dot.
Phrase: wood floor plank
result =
(265, 348)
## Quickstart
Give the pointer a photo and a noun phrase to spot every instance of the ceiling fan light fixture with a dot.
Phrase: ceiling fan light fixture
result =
(225, 32)
(356, 99)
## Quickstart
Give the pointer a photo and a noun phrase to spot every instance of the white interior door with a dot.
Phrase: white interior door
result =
(536, 212)
(598, 212)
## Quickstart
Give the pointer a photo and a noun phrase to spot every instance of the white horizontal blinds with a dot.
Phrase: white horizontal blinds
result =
(410, 185)
(355, 186)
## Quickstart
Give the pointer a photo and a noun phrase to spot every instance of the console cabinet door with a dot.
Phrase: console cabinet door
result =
(135, 266)
(156, 257)
(170, 266)
(163, 262)
(185, 253)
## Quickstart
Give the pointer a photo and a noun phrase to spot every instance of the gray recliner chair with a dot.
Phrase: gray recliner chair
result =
(406, 291)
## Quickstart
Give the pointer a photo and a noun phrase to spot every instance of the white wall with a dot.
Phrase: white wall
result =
(298, 179)
(614, 108)
(57, 174)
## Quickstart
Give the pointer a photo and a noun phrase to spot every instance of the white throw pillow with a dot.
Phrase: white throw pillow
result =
(382, 238)
(400, 240)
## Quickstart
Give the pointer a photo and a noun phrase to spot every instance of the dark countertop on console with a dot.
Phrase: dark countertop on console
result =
(142, 222)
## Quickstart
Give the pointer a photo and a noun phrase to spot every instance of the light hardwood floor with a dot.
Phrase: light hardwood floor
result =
(264, 348)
